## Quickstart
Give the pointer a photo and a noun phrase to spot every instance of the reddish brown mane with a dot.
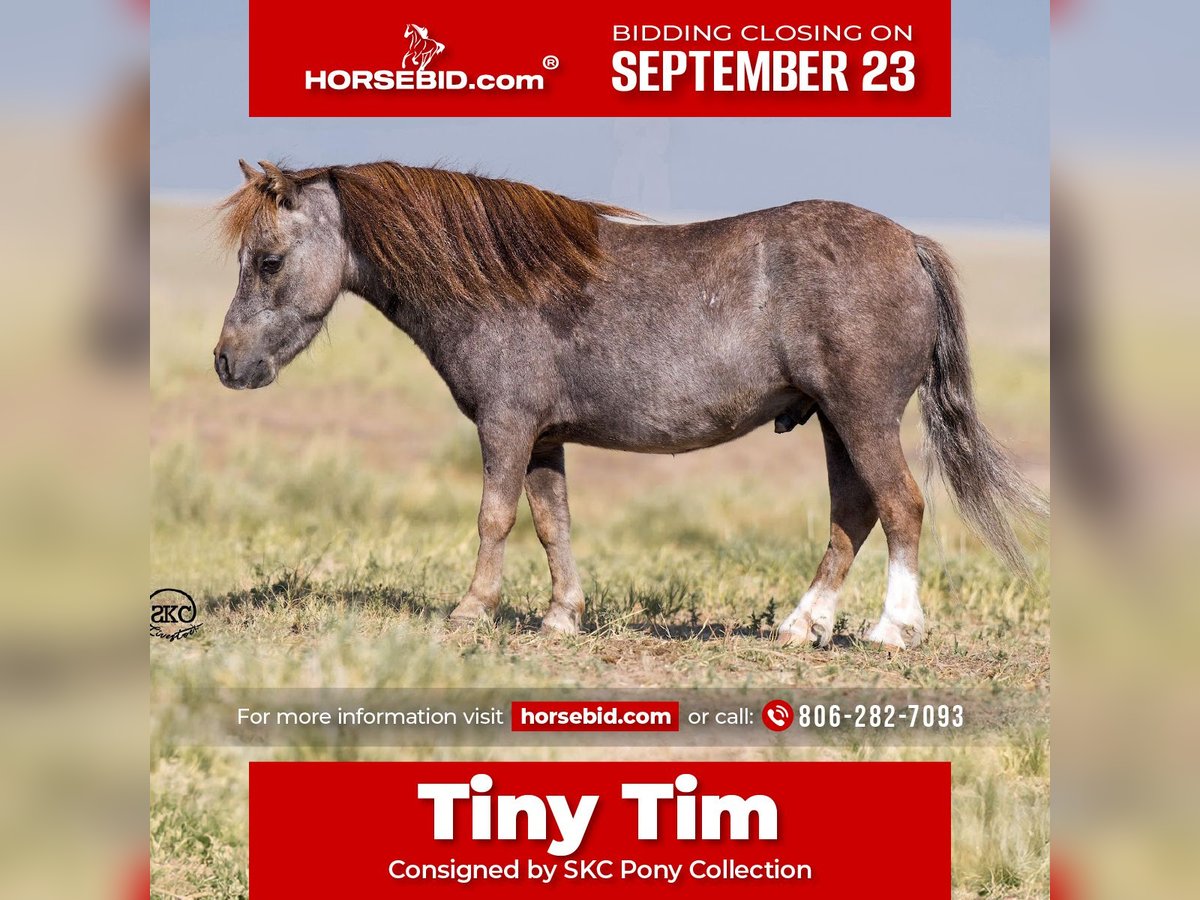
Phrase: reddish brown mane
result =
(436, 235)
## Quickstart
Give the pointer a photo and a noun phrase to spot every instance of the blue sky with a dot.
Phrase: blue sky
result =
(986, 164)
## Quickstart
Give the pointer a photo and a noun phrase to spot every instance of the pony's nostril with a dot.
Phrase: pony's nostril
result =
(223, 366)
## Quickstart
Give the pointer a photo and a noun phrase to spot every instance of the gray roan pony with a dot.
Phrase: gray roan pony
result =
(552, 323)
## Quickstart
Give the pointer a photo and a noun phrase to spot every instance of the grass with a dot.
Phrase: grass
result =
(677, 578)
(326, 526)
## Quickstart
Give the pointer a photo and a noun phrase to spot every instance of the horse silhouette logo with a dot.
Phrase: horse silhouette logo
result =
(421, 47)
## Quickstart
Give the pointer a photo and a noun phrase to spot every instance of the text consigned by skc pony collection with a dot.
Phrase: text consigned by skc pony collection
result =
(552, 322)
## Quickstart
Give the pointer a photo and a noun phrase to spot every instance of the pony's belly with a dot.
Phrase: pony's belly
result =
(648, 430)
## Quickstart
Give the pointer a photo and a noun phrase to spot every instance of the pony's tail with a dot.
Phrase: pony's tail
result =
(988, 489)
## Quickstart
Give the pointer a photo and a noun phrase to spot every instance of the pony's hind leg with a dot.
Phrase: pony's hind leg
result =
(504, 461)
(851, 518)
(879, 459)
(546, 488)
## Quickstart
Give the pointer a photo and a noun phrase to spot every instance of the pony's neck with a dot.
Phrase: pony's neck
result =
(420, 321)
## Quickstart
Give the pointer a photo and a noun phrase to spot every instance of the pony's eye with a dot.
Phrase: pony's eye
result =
(271, 264)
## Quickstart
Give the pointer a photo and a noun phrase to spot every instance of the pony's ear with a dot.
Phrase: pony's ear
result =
(251, 173)
(279, 184)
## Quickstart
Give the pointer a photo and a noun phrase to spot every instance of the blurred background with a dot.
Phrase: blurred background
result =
(1126, 186)
(74, 239)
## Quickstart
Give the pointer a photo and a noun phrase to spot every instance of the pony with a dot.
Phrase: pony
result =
(557, 321)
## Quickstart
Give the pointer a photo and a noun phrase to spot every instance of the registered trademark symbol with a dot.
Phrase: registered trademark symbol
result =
(550, 62)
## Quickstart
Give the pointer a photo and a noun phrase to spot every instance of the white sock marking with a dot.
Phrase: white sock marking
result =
(902, 605)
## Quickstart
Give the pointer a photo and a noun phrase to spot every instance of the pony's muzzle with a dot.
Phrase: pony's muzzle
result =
(240, 374)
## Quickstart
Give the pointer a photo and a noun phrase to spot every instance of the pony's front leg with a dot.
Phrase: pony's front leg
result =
(546, 487)
(505, 456)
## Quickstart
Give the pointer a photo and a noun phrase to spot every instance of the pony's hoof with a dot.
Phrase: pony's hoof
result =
(821, 633)
(893, 634)
(470, 611)
(787, 636)
(560, 620)
(805, 629)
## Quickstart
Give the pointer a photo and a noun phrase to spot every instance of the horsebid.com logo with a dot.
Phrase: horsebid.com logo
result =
(413, 75)
(172, 614)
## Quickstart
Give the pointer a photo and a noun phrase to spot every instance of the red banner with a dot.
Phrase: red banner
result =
(694, 829)
(618, 58)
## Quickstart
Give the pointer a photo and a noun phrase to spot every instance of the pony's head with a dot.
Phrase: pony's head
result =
(287, 230)
(410, 30)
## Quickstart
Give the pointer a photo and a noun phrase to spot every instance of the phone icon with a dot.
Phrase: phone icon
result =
(777, 715)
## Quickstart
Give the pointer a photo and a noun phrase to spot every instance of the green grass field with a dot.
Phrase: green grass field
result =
(326, 525)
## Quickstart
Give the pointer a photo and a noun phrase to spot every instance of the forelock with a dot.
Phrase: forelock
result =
(246, 213)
